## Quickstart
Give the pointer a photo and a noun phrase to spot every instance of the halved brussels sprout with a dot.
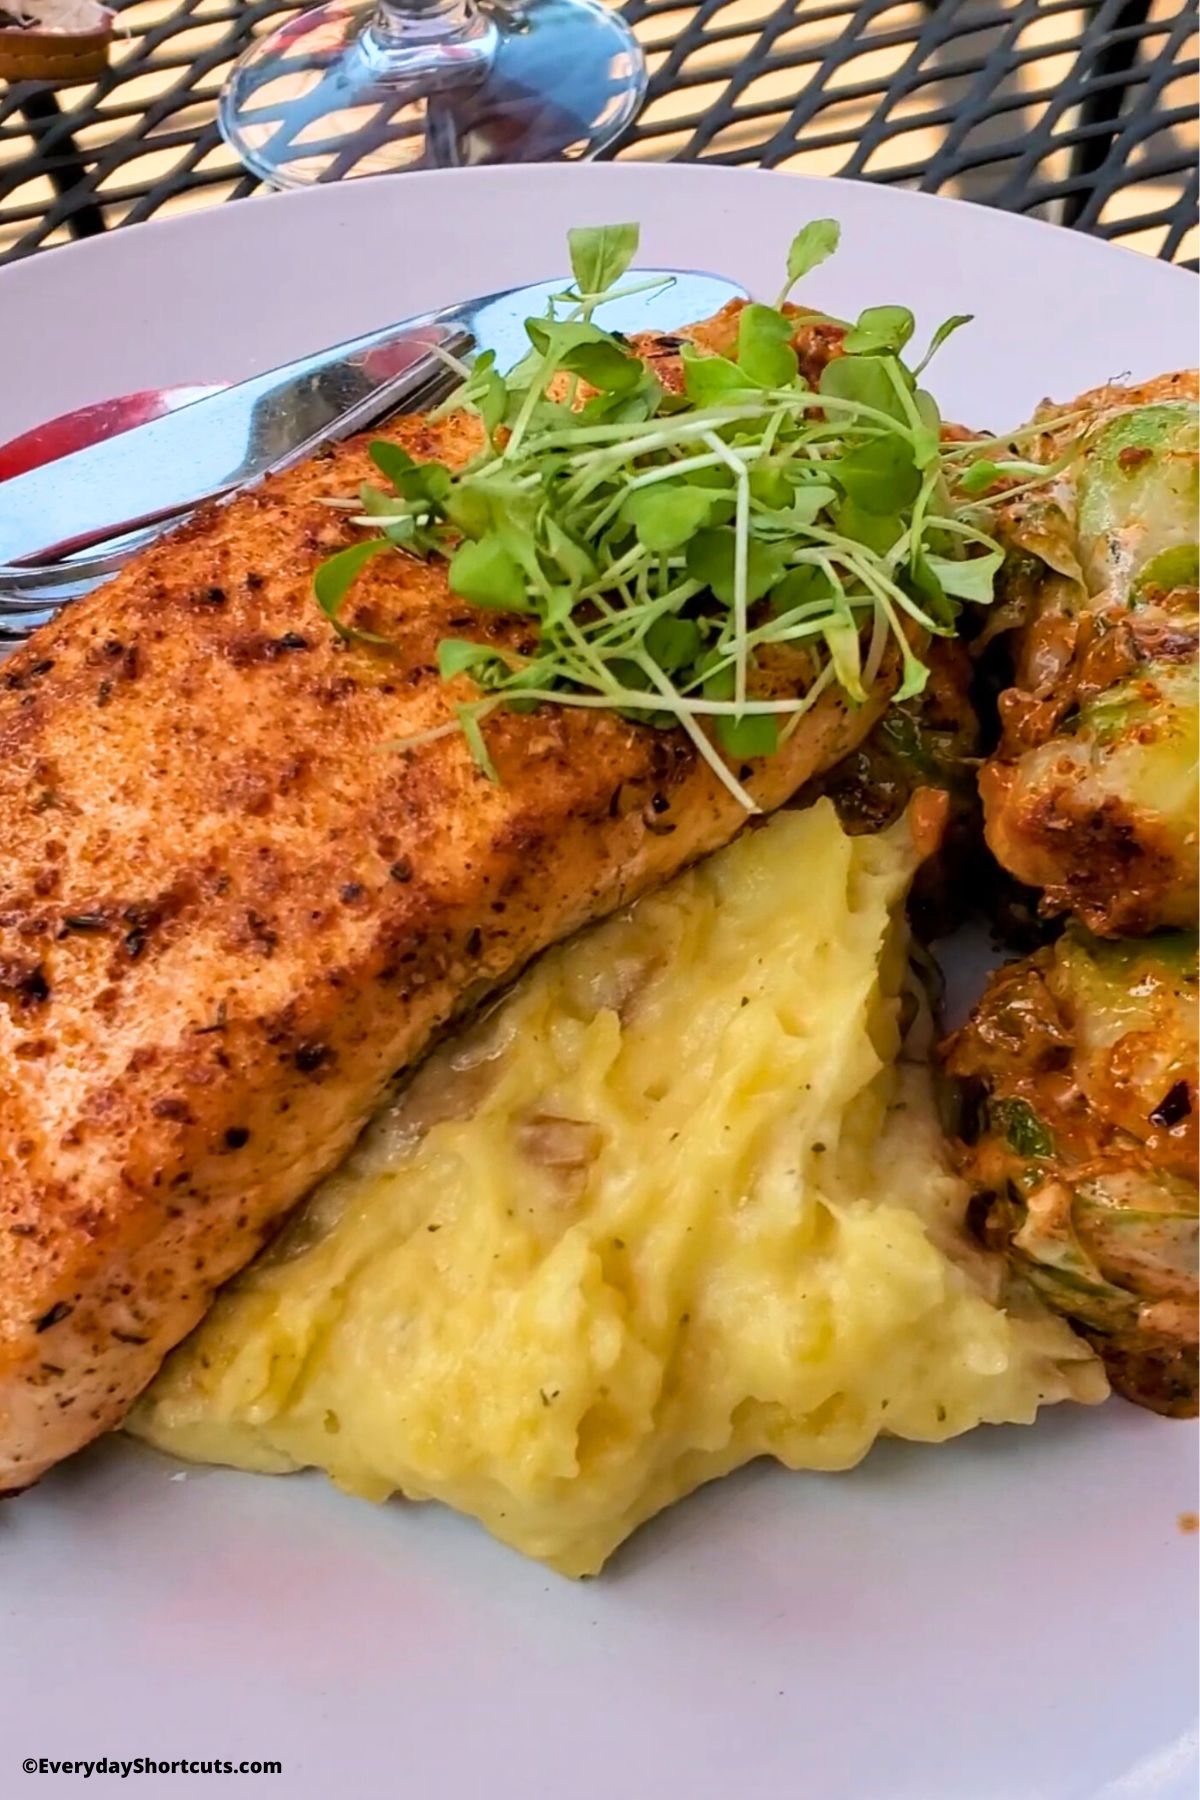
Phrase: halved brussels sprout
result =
(1079, 1069)
(1093, 792)
(1101, 814)
(1138, 495)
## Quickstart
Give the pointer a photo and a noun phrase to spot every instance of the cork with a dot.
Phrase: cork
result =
(54, 40)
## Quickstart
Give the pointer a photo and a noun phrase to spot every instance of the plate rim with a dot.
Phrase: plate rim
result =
(211, 219)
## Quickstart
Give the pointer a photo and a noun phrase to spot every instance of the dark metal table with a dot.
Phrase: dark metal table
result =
(1085, 114)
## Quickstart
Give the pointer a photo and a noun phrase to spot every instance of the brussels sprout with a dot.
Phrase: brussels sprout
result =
(1082, 1061)
(1093, 793)
(1172, 574)
(1139, 1231)
(1102, 813)
(1138, 495)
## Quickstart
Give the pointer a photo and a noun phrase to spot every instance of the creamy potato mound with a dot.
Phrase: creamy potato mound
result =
(671, 1206)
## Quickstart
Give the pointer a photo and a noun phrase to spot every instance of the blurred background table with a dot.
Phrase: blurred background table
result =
(1082, 114)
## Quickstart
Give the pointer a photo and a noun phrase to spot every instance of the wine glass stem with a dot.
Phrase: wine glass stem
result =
(428, 37)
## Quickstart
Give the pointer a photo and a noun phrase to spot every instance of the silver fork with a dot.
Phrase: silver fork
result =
(32, 590)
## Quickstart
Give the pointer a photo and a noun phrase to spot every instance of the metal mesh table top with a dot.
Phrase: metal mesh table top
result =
(1084, 114)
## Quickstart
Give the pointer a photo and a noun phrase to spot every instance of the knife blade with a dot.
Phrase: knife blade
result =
(271, 421)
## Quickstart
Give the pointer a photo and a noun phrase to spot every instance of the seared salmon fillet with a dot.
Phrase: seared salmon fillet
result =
(231, 914)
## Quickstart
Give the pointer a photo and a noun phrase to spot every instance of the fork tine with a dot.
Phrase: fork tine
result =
(16, 600)
(40, 593)
(21, 578)
(12, 634)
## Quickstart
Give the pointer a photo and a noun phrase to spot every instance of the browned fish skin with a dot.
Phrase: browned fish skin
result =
(229, 915)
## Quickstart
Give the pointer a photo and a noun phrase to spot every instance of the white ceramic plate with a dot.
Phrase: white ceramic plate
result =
(1010, 1617)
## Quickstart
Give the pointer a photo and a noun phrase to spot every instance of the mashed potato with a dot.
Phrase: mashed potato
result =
(670, 1207)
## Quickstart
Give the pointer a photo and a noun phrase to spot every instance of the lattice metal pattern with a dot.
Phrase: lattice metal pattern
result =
(1084, 114)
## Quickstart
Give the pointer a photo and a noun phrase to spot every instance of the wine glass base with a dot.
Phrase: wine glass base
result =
(315, 101)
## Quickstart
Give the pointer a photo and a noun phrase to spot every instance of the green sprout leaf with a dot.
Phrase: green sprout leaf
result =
(711, 380)
(335, 577)
(458, 656)
(764, 350)
(981, 475)
(754, 734)
(600, 255)
(604, 366)
(875, 531)
(468, 718)
(814, 244)
(432, 483)
(915, 674)
(864, 381)
(379, 505)
(428, 482)
(580, 348)
(946, 329)
(624, 406)
(927, 438)
(772, 488)
(573, 558)
(807, 586)
(845, 650)
(716, 676)
(880, 328)
(469, 509)
(393, 463)
(805, 505)
(673, 643)
(972, 578)
(491, 401)
(668, 514)
(880, 476)
(930, 592)
(484, 573)
(712, 560)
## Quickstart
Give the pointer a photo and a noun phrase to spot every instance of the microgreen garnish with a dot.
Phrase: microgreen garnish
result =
(946, 329)
(660, 544)
(813, 244)
(600, 255)
(334, 579)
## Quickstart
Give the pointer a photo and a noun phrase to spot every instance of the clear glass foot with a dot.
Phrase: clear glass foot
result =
(369, 89)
